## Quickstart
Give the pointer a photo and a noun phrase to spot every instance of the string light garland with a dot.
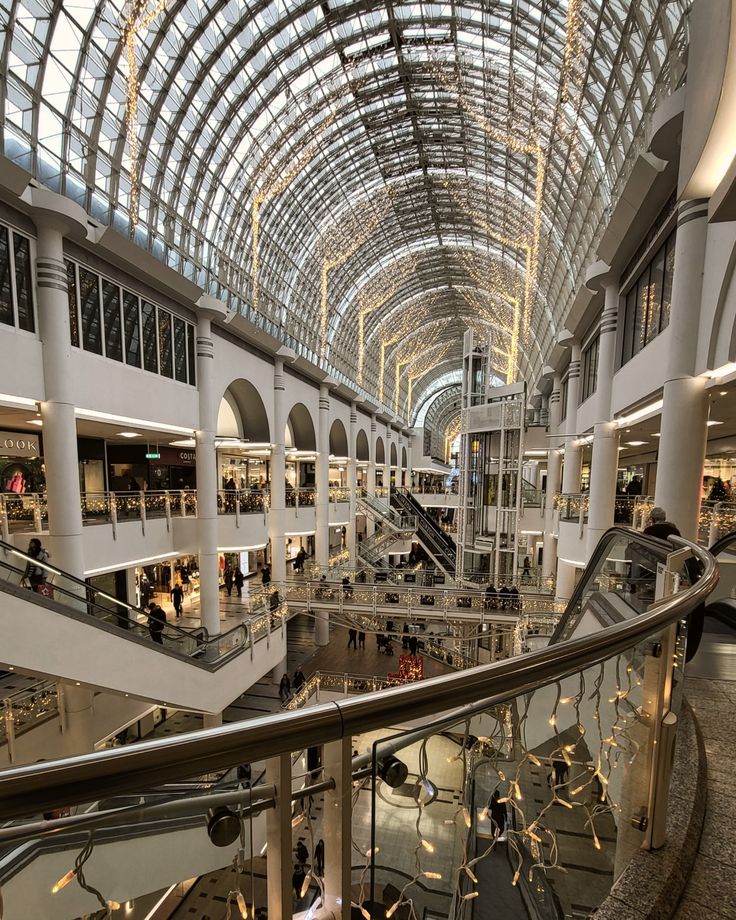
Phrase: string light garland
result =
(138, 17)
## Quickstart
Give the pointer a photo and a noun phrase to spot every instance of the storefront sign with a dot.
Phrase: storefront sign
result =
(169, 456)
(13, 444)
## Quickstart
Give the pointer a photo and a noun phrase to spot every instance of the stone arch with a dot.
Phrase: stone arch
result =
(380, 451)
(394, 456)
(300, 429)
(242, 414)
(362, 450)
(338, 439)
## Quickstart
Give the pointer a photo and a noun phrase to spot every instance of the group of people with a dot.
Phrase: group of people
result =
(233, 577)
(286, 685)
(356, 639)
(504, 599)
(300, 867)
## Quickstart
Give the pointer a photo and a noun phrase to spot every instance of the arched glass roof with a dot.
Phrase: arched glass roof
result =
(335, 169)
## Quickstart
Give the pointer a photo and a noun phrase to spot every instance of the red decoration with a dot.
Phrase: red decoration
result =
(411, 668)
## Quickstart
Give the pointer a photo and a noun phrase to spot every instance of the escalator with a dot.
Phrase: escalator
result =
(76, 633)
(440, 545)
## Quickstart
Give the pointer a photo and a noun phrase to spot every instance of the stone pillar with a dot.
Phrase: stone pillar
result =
(322, 510)
(684, 431)
(352, 481)
(604, 459)
(54, 218)
(207, 479)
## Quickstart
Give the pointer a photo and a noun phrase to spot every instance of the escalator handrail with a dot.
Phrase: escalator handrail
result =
(198, 634)
(34, 788)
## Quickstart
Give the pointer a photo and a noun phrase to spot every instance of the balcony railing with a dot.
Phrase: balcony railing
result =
(585, 724)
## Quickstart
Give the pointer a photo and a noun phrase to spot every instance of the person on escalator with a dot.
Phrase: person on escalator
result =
(156, 622)
(35, 573)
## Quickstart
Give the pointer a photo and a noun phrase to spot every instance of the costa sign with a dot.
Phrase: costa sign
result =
(13, 444)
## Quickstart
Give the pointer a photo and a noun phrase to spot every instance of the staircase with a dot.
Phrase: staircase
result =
(440, 546)
(75, 633)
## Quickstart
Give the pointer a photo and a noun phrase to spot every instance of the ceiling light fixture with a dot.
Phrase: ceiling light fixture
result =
(128, 434)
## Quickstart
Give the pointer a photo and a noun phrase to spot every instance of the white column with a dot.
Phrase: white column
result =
(352, 481)
(572, 466)
(604, 459)
(277, 510)
(53, 219)
(322, 510)
(207, 481)
(684, 431)
(337, 827)
(554, 480)
(573, 451)
(370, 483)
(279, 856)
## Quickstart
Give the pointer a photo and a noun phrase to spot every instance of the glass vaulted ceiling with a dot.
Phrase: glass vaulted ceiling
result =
(364, 180)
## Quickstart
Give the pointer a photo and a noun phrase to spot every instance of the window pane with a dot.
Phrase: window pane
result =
(111, 311)
(71, 283)
(655, 295)
(642, 289)
(132, 329)
(150, 345)
(6, 295)
(164, 343)
(89, 301)
(192, 356)
(629, 316)
(23, 283)
(180, 349)
(669, 271)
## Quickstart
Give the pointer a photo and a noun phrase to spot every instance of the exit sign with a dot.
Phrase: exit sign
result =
(153, 456)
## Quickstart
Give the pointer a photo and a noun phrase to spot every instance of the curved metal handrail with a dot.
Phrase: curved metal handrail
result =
(33, 788)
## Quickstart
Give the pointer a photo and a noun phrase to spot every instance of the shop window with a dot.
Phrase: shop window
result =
(71, 282)
(150, 343)
(648, 301)
(89, 303)
(132, 321)
(164, 343)
(111, 312)
(590, 369)
(180, 350)
(6, 289)
(23, 282)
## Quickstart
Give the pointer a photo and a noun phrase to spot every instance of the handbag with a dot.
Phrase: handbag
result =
(45, 589)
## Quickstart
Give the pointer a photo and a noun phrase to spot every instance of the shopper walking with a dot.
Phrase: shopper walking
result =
(229, 578)
(498, 816)
(266, 574)
(319, 857)
(353, 638)
(177, 598)
(413, 645)
(526, 572)
(284, 688)
(361, 639)
(239, 580)
(299, 680)
(35, 574)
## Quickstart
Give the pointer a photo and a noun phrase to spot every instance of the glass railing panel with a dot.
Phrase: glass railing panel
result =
(97, 507)
(128, 504)
(520, 800)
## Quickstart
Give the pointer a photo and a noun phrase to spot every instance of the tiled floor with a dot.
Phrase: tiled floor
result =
(711, 691)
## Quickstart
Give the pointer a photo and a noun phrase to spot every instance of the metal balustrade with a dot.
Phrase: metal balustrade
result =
(586, 724)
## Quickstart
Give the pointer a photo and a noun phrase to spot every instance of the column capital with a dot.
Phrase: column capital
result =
(57, 212)
(600, 275)
(209, 307)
